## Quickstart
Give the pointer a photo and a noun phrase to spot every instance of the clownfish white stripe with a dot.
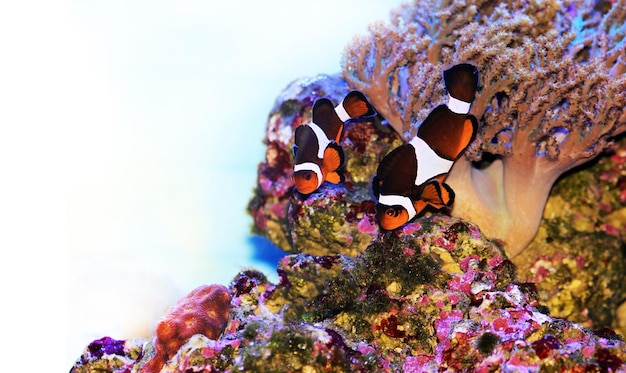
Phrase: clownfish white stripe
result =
(310, 166)
(458, 106)
(429, 163)
(393, 200)
(341, 112)
(322, 139)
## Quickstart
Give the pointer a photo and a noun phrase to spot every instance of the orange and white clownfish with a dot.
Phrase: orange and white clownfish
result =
(411, 177)
(317, 155)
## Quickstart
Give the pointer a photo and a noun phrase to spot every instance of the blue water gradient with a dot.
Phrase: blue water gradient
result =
(142, 126)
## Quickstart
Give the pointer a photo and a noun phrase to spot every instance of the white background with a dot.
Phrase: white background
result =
(130, 133)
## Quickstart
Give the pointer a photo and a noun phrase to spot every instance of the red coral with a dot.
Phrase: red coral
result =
(203, 311)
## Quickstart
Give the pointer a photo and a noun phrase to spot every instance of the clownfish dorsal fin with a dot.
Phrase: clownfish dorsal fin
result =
(333, 158)
(398, 169)
(356, 105)
(461, 81)
(324, 116)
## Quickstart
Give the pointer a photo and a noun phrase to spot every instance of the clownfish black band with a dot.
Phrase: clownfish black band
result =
(322, 139)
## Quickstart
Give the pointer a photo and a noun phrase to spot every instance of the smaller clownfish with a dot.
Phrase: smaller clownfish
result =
(411, 177)
(318, 157)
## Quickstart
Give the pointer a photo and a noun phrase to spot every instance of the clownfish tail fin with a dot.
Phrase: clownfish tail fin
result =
(461, 81)
(355, 105)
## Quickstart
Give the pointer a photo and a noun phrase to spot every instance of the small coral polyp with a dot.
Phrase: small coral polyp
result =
(204, 311)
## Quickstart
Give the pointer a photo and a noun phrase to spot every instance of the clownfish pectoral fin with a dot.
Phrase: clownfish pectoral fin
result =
(334, 177)
(447, 194)
(437, 194)
(333, 158)
(356, 105)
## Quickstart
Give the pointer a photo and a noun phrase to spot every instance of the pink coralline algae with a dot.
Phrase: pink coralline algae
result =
(204, 311)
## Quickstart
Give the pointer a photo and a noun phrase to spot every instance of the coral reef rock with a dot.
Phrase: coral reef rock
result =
(437, 296)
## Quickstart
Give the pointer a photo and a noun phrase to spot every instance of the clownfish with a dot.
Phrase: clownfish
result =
(317, 155)
(411, 177)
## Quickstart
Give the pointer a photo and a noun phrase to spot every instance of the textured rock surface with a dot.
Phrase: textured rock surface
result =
(436, 296)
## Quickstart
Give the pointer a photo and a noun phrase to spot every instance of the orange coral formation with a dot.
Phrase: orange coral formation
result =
(203, 311)
(552, 94)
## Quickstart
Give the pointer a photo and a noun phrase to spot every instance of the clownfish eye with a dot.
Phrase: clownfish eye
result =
(391, 212)
(307, 176)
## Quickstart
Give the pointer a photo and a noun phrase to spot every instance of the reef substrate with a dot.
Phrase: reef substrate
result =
(436, 295)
